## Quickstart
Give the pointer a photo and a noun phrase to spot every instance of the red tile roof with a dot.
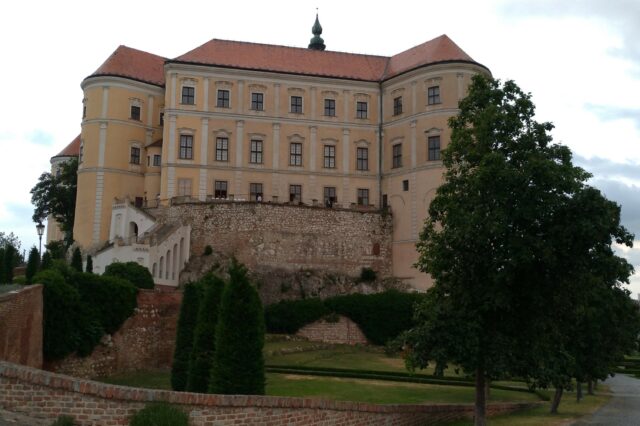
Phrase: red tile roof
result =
(143, 66)
(71, 150)
(134, 64)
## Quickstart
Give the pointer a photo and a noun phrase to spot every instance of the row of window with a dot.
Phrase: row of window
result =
(433, 98)
(257, 103)
(135, 157)
(256, 193)
(433, 153)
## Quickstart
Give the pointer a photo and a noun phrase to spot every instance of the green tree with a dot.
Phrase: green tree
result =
(56, 249)
(132, 271)
(492, 241)
(184, 336)
(33, 264)
(76, 260)
(89, 267)
(238, 366)
(11, 239)
(56, 196)
(204, 339)
(9, 261)
(46, 261)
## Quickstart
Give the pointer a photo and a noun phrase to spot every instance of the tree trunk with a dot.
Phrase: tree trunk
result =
(578, 391)
(590, 387)
(481, 399)
(556, 400)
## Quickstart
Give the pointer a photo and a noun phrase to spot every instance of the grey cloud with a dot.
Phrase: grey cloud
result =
(622, 15)
(615, 113)
(604, 169)
(628, 197)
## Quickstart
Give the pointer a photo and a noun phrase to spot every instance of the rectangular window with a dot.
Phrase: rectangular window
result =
(220, 189)
(397, 155)
(397, 105)
(434, 148)
(81, 153)
(184, 187)
(256, 152)
(329, 157)
(257, 101)
(84, 112)
(295, 154)
(222, 149)
(156, 160)
(330, 196)
(330, 107)
(255, 192)
(362, 159)
(296, 104)
(188, 95)
(223, 99)
(162, 118)
(186, 147)
(433, 94)
(135, 112)
(361, 109)
(295, 193)
(363, 197)
(135, 155)
(405, 185)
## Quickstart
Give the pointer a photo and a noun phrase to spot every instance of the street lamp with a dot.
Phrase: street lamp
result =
(40, 229)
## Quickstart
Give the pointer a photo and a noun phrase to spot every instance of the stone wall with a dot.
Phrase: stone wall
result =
(145, 341)
(342, 331)
(287, 236)
(21, 326)
(48, 395)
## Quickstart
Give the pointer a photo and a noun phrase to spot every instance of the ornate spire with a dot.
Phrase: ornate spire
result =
(317, 43)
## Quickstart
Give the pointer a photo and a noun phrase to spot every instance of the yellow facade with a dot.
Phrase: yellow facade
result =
(283, 131)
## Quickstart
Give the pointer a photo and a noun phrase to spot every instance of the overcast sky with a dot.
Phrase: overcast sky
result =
(579, 59)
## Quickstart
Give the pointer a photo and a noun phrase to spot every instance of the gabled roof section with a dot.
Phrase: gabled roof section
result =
(291, 60)
(71, 150)
(156, 144)
(440, 49)
(134, 64)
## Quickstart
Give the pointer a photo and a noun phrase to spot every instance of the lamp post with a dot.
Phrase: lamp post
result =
(40, 229)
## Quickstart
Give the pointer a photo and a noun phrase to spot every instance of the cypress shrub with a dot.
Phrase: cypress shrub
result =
(46, 261)
(76, 260)
(8, 264)
(204, 339)
(89, 267)
(288, 316)
(184, 336)
(159, 414)
(238, 366)
(131, 271)
(33, 264)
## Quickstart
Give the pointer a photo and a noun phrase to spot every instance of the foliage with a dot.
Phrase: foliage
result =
(131, 271)
(159, 414)
(76, 260)
(46, 261)
(56, 196)
(367, 275)
(56, 249)
(238, 366)
(111, 299)
(9, 260)
(184, 336)
(10, 239)
(89, 268)
(204, 336)
(508, 245)
(33, 264)
(208, 250)
(21, 279)
(64, 421)
(288, 316)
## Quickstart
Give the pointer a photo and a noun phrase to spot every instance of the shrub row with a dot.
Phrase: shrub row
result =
(381, 316)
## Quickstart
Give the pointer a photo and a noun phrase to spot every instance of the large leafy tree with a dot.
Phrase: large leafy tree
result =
(55, 196)
(498, 244)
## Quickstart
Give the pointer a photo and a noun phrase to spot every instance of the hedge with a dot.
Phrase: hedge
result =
(132, 271)
(381, 316)
(159, 414)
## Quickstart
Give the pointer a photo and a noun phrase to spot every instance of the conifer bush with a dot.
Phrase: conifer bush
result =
(76, 260)
(184, 336)
(33, 264)
(204, 339)
(89, 267)
(132, 271)
(238, 363)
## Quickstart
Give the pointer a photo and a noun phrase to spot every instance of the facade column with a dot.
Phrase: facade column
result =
(205, 98)
(313, 103)
(150, 110)
(171, 157)
(174, 89)
(346, 113)
(414, 97)
(240, 104)
(414, 148)
(346, 164)
(275, 177)
(276, 100)
(239, 158)
(460, 77)
(99, 193)
(204, 157)
(413, 182)
(313, 191)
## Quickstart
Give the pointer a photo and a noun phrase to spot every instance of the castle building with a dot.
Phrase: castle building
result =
(264, 123)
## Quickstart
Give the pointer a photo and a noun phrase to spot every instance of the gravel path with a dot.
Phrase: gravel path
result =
(624, 407)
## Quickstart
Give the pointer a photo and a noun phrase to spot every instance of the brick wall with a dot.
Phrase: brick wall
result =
(48, 395)
(343, 331)
(21, 326)
(145, 340)
(291, 237)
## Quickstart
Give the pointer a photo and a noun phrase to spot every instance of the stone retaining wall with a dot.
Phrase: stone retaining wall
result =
(342, 331)
(21, 326)
(145, 341)
(45, 394)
